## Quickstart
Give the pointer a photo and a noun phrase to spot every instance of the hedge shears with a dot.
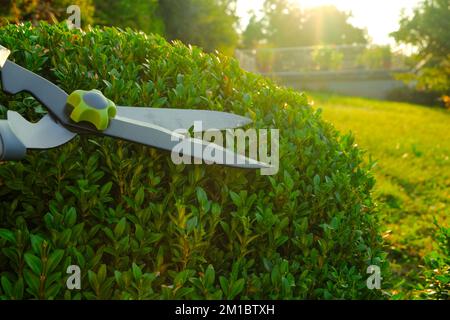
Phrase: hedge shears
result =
(90, 112)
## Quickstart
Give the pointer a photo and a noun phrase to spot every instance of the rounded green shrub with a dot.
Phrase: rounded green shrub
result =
(140, 227)
(436, 271)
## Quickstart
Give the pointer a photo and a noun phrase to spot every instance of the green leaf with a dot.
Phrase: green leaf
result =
(236, 288)
(18, 289)
(137, 273)
(34, 263)
(118, 277)
(210, 275)
(106, 189)
(288, 180)
(224, 284)
(281, 240)
(7, 235)
(225, 227)
(71, 217)
(182, 277)
(443, 278)
(36, 243)
(316, 181)
(155, 237)
(202, 197)
(54, 260)
(92, 277)
(215, 209)
(235, 198)
(32, 282)
(120, 227)
(108, 233)
(139, 232)
(81, 261)
(139, 198)
(267, 264)
(53, 291)
(7, 286)
(191, 224)
(101, 274)
(182, 292)
(275, 275)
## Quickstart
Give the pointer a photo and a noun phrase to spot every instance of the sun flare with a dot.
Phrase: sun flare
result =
(380, 17)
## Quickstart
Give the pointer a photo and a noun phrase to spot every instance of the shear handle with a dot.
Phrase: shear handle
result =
(11, 148)
(16, 79)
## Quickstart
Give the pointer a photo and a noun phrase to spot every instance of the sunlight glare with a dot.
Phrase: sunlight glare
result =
(379, 17)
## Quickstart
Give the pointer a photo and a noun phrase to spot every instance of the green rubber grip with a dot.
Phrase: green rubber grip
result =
(91, 106)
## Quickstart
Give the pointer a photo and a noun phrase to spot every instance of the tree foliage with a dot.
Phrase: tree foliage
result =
(285, 24)
(137, 14)
(428, 29)
(253, 34)
(209, 24)
(282, 23)
(328, 25)
(44, 10)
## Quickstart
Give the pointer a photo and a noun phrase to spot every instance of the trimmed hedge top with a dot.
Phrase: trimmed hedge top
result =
(139, 226)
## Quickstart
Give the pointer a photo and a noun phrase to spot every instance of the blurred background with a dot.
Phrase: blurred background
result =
(396, 50)
(380, 69)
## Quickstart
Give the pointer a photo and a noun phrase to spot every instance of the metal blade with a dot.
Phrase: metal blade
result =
(45, 134)
(162, 138)
(16, 79)
(4, 54)
(174, 119)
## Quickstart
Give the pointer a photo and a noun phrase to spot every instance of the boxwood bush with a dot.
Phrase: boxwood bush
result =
(437, 268)
(140, 227)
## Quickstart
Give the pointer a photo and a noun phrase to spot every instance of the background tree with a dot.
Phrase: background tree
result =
(428, 29)
(137, 14)
(47, 10)
(210, 24)
(253, 34)
(328, 25)
(285, 24)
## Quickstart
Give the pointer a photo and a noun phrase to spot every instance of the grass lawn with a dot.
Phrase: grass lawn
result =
(411, 145)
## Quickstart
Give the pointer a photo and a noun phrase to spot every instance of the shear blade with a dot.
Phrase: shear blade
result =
(155, 136)
(4, 53)
(174, 119)
(45, 134)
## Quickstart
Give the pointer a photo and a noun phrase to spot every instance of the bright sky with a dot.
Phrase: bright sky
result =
(379, 17)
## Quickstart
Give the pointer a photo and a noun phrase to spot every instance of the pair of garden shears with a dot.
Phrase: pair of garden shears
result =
(89, 112)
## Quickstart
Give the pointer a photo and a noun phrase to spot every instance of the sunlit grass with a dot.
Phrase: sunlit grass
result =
(411, 145)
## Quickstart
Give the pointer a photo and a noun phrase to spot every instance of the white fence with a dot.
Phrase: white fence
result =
(358, 70)
(324, 58)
